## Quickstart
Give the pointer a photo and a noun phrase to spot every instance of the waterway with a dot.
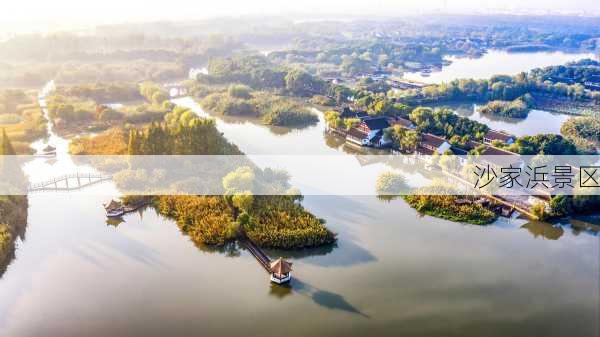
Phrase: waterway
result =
(393, 272)
(536, 122)
(495, 62)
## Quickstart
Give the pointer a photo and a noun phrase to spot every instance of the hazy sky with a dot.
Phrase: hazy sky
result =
(34, 13)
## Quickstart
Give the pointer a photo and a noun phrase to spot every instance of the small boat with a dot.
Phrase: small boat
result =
(49, 148)
(48, 151)
(115, 213)
(114, 209)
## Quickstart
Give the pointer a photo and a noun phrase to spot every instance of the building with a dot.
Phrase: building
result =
(431, 144)
(281, 271)
(402, 122)
(406, 84)
(347, 112)
(373, 124)
(493, 135)
(357, 137)
(369, 132)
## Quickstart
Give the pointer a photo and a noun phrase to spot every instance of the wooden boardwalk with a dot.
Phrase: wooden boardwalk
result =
(260, 256)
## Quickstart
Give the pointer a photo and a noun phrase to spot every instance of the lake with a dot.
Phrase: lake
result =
(392, 272)
(495, 62)
(536, 122)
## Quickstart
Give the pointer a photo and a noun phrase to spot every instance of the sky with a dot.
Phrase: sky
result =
(30, 14)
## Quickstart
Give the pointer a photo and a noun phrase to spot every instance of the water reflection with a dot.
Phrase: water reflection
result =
(544, 229)
(115, 222)
(256, 121)
(495, 62)
(537, 121)
(14, 214)
(585, 224)
(229, 249)
(333, 142)
(323, 298)
(326, 256)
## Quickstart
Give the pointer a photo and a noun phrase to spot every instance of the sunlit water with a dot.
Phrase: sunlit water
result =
(536, 122)
(391, 273)
(495, 62)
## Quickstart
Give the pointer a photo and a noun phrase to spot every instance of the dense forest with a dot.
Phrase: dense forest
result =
(89, 107)
(32, 60)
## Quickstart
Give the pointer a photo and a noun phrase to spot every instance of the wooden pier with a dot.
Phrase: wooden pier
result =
(279, 270)
(260, 256)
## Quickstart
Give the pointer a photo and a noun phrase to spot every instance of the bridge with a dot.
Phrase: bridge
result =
(258, 254)
(69, 182)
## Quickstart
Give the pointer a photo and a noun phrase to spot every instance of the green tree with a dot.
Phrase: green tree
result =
(239, 91)
(301, 83)
(239, 181)
(333, 119)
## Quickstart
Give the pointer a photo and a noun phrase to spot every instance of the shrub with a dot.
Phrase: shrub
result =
(390, 183)
(288, 114)
(322, 100)
(439, 200)
(206, 219)
(281, 222)
(239, 91)
(539, 210)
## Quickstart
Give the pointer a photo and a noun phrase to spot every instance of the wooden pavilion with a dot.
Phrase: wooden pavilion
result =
(281, 271)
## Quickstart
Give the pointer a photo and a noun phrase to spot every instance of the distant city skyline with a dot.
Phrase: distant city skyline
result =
(34, 15)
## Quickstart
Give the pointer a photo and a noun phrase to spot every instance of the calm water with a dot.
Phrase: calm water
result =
(391, 273)
(537, 121)
(496, 62)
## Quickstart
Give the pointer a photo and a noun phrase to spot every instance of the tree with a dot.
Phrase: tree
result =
(239, 91)
(243, 200)
(539, 210)
(6, 147)
(390, 183)
(301, 83)
(351, 122)
(333, 119)
(159, 97)
(239, 181)
(410, 140)
(402, 138)
(561, 205)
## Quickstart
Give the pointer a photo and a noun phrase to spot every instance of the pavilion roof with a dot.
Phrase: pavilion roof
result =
(281, 266)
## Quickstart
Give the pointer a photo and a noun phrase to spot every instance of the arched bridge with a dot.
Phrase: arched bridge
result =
(69, 182)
